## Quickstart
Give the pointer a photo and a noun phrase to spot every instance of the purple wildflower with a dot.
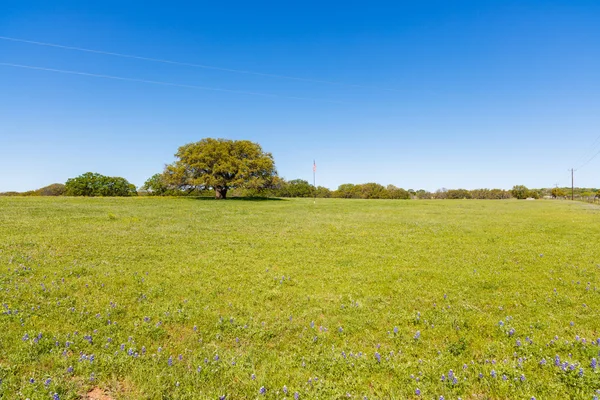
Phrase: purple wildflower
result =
(594, 363)
(47, 382)
(296, 396)
(378, 357)
(285, 389)
(417, 335)
(417, 392)
(262, 390)
(170, 361)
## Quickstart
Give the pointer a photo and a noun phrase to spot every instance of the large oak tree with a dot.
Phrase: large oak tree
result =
(221, 164)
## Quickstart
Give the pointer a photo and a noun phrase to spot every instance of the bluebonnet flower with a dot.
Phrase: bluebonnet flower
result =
(417, 392)
(522, 378)
(253, 377)
(70, 370)
(216, 357)
(543, 361)
(146, 319)
(262, 390)
(504, 377)
(296, 396)
(55, 396)
(480, 375)
(417, 335)
(285, 389)
(511, 332)
(180, 357)
(47, 382)
(557, 361)
(378, 357)
(493, 373)
(31, 380)
(123, 347)
(170, 361)
(199, 369)
(143, 349)
(572, 323)
(340, 329)
(396, 329)
(518, 343)
(92, 358)
(312, 324)
(159, 350)
(580, 371)
(443, 378)
(25, 337)
(594, 363)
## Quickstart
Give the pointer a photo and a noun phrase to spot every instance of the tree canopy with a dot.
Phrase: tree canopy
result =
(221, 164)
(93, 184)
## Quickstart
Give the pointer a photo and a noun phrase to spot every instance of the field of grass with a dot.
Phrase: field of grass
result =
(164, 298)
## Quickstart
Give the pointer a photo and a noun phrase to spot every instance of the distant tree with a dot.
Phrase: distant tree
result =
(398, 193)
(534, 194)
(458, 194)
(299, 188)
(156, 185)
(520, 192)
(371, 191)
(558, 192)
(346, 191)
(423, 194)
(56, 189)
(221, 164)
(497, 194)
(441, 194)
(323, 192)
(93, 184)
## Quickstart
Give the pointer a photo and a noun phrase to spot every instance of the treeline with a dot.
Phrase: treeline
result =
(97, 185)
(89, 184)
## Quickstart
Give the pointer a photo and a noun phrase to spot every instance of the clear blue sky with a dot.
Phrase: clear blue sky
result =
(467, 93)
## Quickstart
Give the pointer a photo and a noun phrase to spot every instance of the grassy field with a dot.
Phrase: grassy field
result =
(183, 298)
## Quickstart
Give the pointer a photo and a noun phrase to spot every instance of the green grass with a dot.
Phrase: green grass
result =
(284, 289)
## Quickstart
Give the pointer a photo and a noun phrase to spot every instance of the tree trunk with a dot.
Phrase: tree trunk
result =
(220, 193)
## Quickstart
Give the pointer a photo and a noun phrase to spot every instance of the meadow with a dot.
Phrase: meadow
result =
(179, 298)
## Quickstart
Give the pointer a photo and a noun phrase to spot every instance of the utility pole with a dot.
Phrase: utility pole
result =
(572, 186)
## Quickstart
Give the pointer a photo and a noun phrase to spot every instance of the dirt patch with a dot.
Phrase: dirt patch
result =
(97, 394)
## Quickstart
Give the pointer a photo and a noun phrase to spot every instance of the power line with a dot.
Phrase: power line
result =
(186, 64)
(165, 83)
(591, 149)
(588, 161)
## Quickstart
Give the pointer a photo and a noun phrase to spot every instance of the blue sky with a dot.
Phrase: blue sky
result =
(434, 93)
